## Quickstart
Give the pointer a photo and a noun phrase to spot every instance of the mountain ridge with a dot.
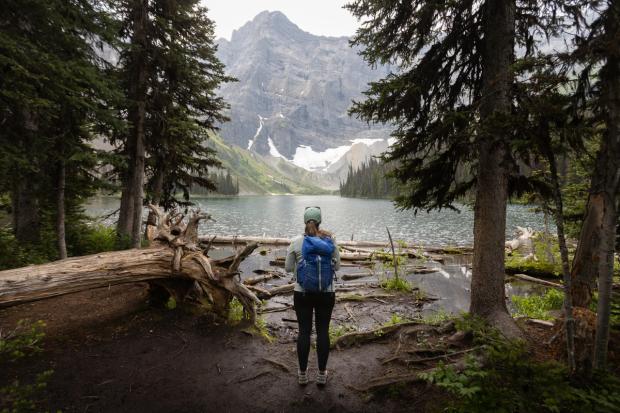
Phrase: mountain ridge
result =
(294, 90)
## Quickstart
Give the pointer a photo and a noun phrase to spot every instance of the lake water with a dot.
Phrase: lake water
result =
(362, 219)
(281, 216)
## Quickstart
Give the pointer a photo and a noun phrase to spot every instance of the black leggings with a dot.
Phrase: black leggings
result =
(322, 304)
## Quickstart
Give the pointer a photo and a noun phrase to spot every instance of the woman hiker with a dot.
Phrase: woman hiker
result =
(313, 259)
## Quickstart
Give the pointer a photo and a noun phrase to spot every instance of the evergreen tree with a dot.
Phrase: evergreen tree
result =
(54, 94)
(451, 103)
(370, 180)
(185, 107)
(136, 64)
(598, 56)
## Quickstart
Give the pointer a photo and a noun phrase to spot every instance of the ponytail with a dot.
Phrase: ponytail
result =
(312, 229)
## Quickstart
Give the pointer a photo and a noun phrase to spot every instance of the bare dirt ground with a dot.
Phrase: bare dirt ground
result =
(110, 352)
(113, 352)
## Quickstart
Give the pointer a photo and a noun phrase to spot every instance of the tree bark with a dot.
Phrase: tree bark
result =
(125, 214)
(610, 171)
(585, 267)
(130, 218)
(158, 184)
(487, 287)
(60, 211)
(174, 262)
(569, 321)
(26, 219)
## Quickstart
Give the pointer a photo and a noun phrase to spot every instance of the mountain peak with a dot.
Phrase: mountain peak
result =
(267, 15)
(274, 22)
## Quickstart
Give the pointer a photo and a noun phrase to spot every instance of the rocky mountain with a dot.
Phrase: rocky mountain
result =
(293, 94)
(265, 175)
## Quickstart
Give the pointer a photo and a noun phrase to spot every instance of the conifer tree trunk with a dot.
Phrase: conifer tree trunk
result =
(569, 321)
(609, 162)
(26, 219)
(125, 217)
(60, 211)
(130, 218)
(487, 289)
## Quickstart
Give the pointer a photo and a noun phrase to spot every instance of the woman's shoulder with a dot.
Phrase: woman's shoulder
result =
(296, 242)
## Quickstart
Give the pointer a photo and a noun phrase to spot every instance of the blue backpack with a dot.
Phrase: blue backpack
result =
(314, 270)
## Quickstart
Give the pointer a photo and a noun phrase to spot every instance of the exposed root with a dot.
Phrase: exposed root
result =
(444, 356)
(362, 337)
(362, 297)
(277, 364)
(390, 380)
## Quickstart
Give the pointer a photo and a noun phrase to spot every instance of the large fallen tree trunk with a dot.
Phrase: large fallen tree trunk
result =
(173, 261)
(242, 239)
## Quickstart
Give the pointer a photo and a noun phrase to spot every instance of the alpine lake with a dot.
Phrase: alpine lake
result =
(444, 285)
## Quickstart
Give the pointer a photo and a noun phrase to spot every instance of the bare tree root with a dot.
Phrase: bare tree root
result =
(358, 338)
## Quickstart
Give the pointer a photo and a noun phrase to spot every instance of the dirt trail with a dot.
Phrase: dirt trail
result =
(112, 353)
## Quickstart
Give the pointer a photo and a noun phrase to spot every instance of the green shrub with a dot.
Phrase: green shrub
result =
(438, 317)
(24, 341)
(94, 238)
(516, 263)
(395, 319)
(509, 381)
(236, 313)
(82, 238)
(335, 332)
(397, 284)
(538, 306)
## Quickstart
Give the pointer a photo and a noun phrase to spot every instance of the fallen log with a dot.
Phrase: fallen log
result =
(355, 276)
(356, 256)
(244, 239)
(173, 261)
(264, 293)
(282, 289)
(537, 281)
(262, 278)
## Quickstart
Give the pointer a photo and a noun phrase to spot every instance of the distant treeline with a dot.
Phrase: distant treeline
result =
(223, 182)
(369, 181)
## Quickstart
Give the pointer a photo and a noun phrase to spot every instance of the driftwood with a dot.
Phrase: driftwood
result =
(354, 246)
(279, 262)
(263, 293)
(537, 281)
(174, 261)
(523, 242)
(355, 276)
(262, 278)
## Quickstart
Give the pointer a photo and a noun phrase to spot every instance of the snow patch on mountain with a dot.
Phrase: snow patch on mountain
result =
(366, 141)
(305, 157)
(310, 160)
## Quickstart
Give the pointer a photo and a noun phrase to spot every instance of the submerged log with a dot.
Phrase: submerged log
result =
(173, 261)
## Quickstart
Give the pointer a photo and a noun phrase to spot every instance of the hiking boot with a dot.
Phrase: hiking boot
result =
(302, 377)
(321, 378)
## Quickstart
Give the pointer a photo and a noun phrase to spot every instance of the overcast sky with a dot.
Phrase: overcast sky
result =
(322, 17)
